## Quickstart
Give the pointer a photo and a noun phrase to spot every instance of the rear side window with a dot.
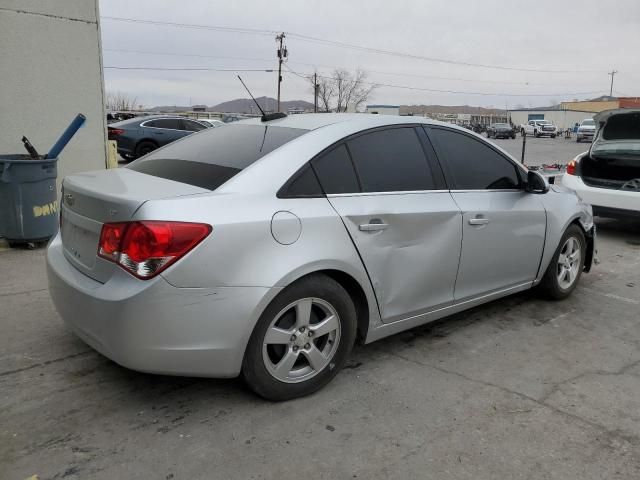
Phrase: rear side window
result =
(391, 160)
(335, 171)
(211, 157)
(471, 164)
(302, 185)
(192, 126)
(172, 123)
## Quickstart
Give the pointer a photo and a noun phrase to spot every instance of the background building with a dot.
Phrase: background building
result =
(383, 109)
(602, 103)
(560, 118)
(51, 67)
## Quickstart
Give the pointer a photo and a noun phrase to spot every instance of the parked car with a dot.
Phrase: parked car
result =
(267, 248)
(141, 135)
(608, 175)
(586, 130)
(210, 122)
(539, 128)
(500, 130)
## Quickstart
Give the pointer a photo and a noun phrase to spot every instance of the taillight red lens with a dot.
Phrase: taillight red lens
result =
(146, 248)
(114, 132)
(571, 167)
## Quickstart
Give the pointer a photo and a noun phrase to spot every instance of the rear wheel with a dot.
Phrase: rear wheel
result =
(145, 147)
(565, 268)
(302, 339)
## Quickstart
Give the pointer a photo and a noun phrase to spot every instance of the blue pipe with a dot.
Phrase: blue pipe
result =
(66, 136)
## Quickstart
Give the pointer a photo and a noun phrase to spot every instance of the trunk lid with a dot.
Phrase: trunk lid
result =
(91, 199)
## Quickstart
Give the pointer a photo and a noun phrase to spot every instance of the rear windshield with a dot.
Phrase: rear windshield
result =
(210, 158)
(624, 126)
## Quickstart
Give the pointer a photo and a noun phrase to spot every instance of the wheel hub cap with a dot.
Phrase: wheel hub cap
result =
(302, 340)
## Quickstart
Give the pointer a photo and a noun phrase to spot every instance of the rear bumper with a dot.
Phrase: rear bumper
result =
(605, 201)
(152, 326)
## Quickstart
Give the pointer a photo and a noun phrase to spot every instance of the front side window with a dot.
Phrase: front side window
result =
(391, 160)
(471, 164)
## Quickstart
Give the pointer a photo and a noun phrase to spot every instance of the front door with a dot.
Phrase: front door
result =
(503, 227)
(406, 230)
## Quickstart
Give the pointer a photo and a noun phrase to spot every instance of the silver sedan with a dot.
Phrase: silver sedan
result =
(266, 248)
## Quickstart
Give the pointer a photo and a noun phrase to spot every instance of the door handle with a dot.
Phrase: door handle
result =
(478, 221)
(373, 227)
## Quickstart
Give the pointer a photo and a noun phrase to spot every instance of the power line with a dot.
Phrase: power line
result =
(381, 72)
(407, 87)
(350, 46)
(192, 69)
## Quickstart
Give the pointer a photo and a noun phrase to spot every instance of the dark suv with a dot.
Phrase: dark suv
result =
(138, 136)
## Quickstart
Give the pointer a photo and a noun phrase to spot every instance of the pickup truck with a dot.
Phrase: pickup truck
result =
(539, 128)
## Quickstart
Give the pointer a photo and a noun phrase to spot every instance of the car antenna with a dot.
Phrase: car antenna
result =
(265, 117)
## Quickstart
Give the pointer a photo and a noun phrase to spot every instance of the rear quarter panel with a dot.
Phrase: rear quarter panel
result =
(242, 251)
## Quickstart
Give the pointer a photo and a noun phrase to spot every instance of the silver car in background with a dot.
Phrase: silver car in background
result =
(266, 248)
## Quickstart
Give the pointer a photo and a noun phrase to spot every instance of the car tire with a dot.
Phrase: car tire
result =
(292, 333)
(553, 136)
(144, 147)
(535, 134)
(578, 139)
(563, 273)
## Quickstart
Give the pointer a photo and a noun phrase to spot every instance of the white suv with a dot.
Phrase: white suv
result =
(608, 175)
(586, 130)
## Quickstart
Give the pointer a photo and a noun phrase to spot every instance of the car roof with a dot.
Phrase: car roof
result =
(313, 121)
(142, 119)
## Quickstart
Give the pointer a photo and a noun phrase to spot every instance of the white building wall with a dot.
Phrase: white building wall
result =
(560, 118)
(51, 69)
(383, 110)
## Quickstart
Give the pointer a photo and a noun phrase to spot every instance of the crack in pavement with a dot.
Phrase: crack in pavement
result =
(631, 439)
(45, 363)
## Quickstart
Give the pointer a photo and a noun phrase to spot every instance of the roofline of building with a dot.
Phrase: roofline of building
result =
(549, 110)
(383, 106)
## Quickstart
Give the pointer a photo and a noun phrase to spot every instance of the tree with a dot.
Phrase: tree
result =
(342, 89)
(121, 102)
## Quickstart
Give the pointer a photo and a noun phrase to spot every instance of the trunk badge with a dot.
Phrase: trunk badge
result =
(69, 199)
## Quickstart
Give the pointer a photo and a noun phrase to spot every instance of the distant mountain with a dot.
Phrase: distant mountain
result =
(246, 105)
(447, 109)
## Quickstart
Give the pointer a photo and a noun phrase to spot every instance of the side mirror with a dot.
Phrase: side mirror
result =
(536, 183)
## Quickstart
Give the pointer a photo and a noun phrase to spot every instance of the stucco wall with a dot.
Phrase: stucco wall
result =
(560, 118)
(597, 106)
(50, 64)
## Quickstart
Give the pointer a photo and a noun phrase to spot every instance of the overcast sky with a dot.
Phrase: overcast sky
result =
(553, 50)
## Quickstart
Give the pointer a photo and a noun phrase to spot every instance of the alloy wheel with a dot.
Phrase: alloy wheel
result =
(302, 340)
(569, 261)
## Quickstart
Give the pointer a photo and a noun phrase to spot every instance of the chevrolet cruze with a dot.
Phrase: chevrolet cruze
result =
(268, 247)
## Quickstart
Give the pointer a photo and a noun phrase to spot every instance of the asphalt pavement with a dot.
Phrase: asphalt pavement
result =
(544, 149)
(521, 388)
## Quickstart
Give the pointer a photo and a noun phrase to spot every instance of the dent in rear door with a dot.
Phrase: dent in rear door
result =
(412, 258)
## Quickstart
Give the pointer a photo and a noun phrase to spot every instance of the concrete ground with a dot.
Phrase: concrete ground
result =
(521, 388)
(544, 149)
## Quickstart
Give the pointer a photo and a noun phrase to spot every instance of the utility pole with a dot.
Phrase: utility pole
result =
(282, 55)
(612, 73)
(315, 93)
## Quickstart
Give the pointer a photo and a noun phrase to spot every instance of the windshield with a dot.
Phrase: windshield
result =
(588, 123)
(210, 158)
(501, 125)
(543, 122)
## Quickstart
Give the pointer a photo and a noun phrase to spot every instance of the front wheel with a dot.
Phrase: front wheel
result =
(565, 268)
(302, 339)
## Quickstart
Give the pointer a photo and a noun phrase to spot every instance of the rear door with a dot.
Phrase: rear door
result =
(402, 220)
(503, 226)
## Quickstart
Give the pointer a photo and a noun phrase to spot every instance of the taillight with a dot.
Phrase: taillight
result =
(112, 132)
(145, 248)
(571, 167)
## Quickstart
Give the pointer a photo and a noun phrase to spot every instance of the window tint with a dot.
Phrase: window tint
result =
(391, 160)
(214, 156)
(335, 171)
(303, 184)
(192, 126)
(173, 123)
(472, 164)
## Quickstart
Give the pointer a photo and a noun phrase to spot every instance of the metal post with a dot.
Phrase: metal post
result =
(315, 93)
(524, 145)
